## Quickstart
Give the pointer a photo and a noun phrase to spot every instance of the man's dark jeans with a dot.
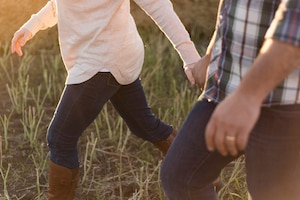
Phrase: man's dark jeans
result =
(272, 157)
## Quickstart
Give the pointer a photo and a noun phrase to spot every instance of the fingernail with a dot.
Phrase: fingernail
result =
(210, 149)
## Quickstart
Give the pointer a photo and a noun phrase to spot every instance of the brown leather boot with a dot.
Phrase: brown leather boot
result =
(62, 182)
(164, 145)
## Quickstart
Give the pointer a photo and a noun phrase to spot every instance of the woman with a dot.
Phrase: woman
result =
(103, 55)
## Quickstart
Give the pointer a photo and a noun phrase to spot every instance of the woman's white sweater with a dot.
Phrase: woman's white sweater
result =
(101, 35)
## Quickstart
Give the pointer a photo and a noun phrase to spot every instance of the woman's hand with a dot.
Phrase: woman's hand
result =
(19, 40)
(197, 72)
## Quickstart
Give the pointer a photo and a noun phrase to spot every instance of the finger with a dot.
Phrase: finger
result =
(209, 136)
(13, 49)
(189, 75)
(19, 51)
(200, 85)
(242, 142)
(231, 144)
(220, 142)
(16, 48)
(191, 80)
(14, 44)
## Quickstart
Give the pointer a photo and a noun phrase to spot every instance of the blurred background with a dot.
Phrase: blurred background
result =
(193, 13)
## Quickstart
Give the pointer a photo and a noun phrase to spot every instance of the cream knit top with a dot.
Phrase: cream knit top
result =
(101, 36)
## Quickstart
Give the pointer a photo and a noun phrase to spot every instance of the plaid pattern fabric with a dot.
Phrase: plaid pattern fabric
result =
(243, 26)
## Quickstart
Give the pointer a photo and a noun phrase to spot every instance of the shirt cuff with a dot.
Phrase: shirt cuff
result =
(33, 25)
(188, 53)
(285, 26)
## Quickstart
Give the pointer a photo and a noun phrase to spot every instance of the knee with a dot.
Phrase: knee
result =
(60, 140)
(63, 149)
(51, 137)
(53, 141)
(180, 181)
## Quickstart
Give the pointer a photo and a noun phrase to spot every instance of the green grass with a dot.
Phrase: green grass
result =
(114, 164)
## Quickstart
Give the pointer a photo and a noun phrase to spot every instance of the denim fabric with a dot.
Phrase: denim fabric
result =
(81, 103)
(272, 157)
(184, 171)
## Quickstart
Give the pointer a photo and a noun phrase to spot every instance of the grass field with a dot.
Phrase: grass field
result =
(114, 164)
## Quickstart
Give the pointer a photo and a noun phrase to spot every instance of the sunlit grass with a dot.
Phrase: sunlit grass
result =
(114, 164)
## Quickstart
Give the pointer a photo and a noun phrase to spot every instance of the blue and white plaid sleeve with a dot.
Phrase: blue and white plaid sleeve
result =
(286, 25)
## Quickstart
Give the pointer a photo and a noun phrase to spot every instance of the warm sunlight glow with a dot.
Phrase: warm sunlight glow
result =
(14, 14)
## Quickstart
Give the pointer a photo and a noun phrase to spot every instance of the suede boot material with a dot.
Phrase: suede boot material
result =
(62, 182)
(164, 145)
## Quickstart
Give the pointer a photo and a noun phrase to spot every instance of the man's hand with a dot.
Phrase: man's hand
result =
(233, 119)
(231, 123)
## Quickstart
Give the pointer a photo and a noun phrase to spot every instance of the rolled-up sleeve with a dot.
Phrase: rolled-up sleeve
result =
(285, 26)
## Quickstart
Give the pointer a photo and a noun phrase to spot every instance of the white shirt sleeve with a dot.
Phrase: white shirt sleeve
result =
(163, 14)
(45, 18)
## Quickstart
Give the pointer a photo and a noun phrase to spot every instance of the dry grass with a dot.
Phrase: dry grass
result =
(114, 164)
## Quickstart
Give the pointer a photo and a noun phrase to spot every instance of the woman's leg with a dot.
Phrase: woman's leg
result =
(189, 169)
(131, 104)
(78, 107)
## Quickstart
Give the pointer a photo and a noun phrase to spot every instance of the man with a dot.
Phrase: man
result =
(250, 105)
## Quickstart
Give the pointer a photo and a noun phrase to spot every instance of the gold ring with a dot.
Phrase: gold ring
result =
(230, 138)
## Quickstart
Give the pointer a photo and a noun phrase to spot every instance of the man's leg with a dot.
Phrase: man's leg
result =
(273, 155)
(189, 169)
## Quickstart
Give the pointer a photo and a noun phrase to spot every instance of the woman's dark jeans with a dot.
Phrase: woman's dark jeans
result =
(81, 103)
(272, 157)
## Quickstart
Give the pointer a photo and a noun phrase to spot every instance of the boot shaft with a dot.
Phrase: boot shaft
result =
(62, 182)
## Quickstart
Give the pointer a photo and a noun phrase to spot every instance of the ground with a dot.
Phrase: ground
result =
(195, 14)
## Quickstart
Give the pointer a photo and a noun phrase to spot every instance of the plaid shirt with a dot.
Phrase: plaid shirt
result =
(243, 26)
